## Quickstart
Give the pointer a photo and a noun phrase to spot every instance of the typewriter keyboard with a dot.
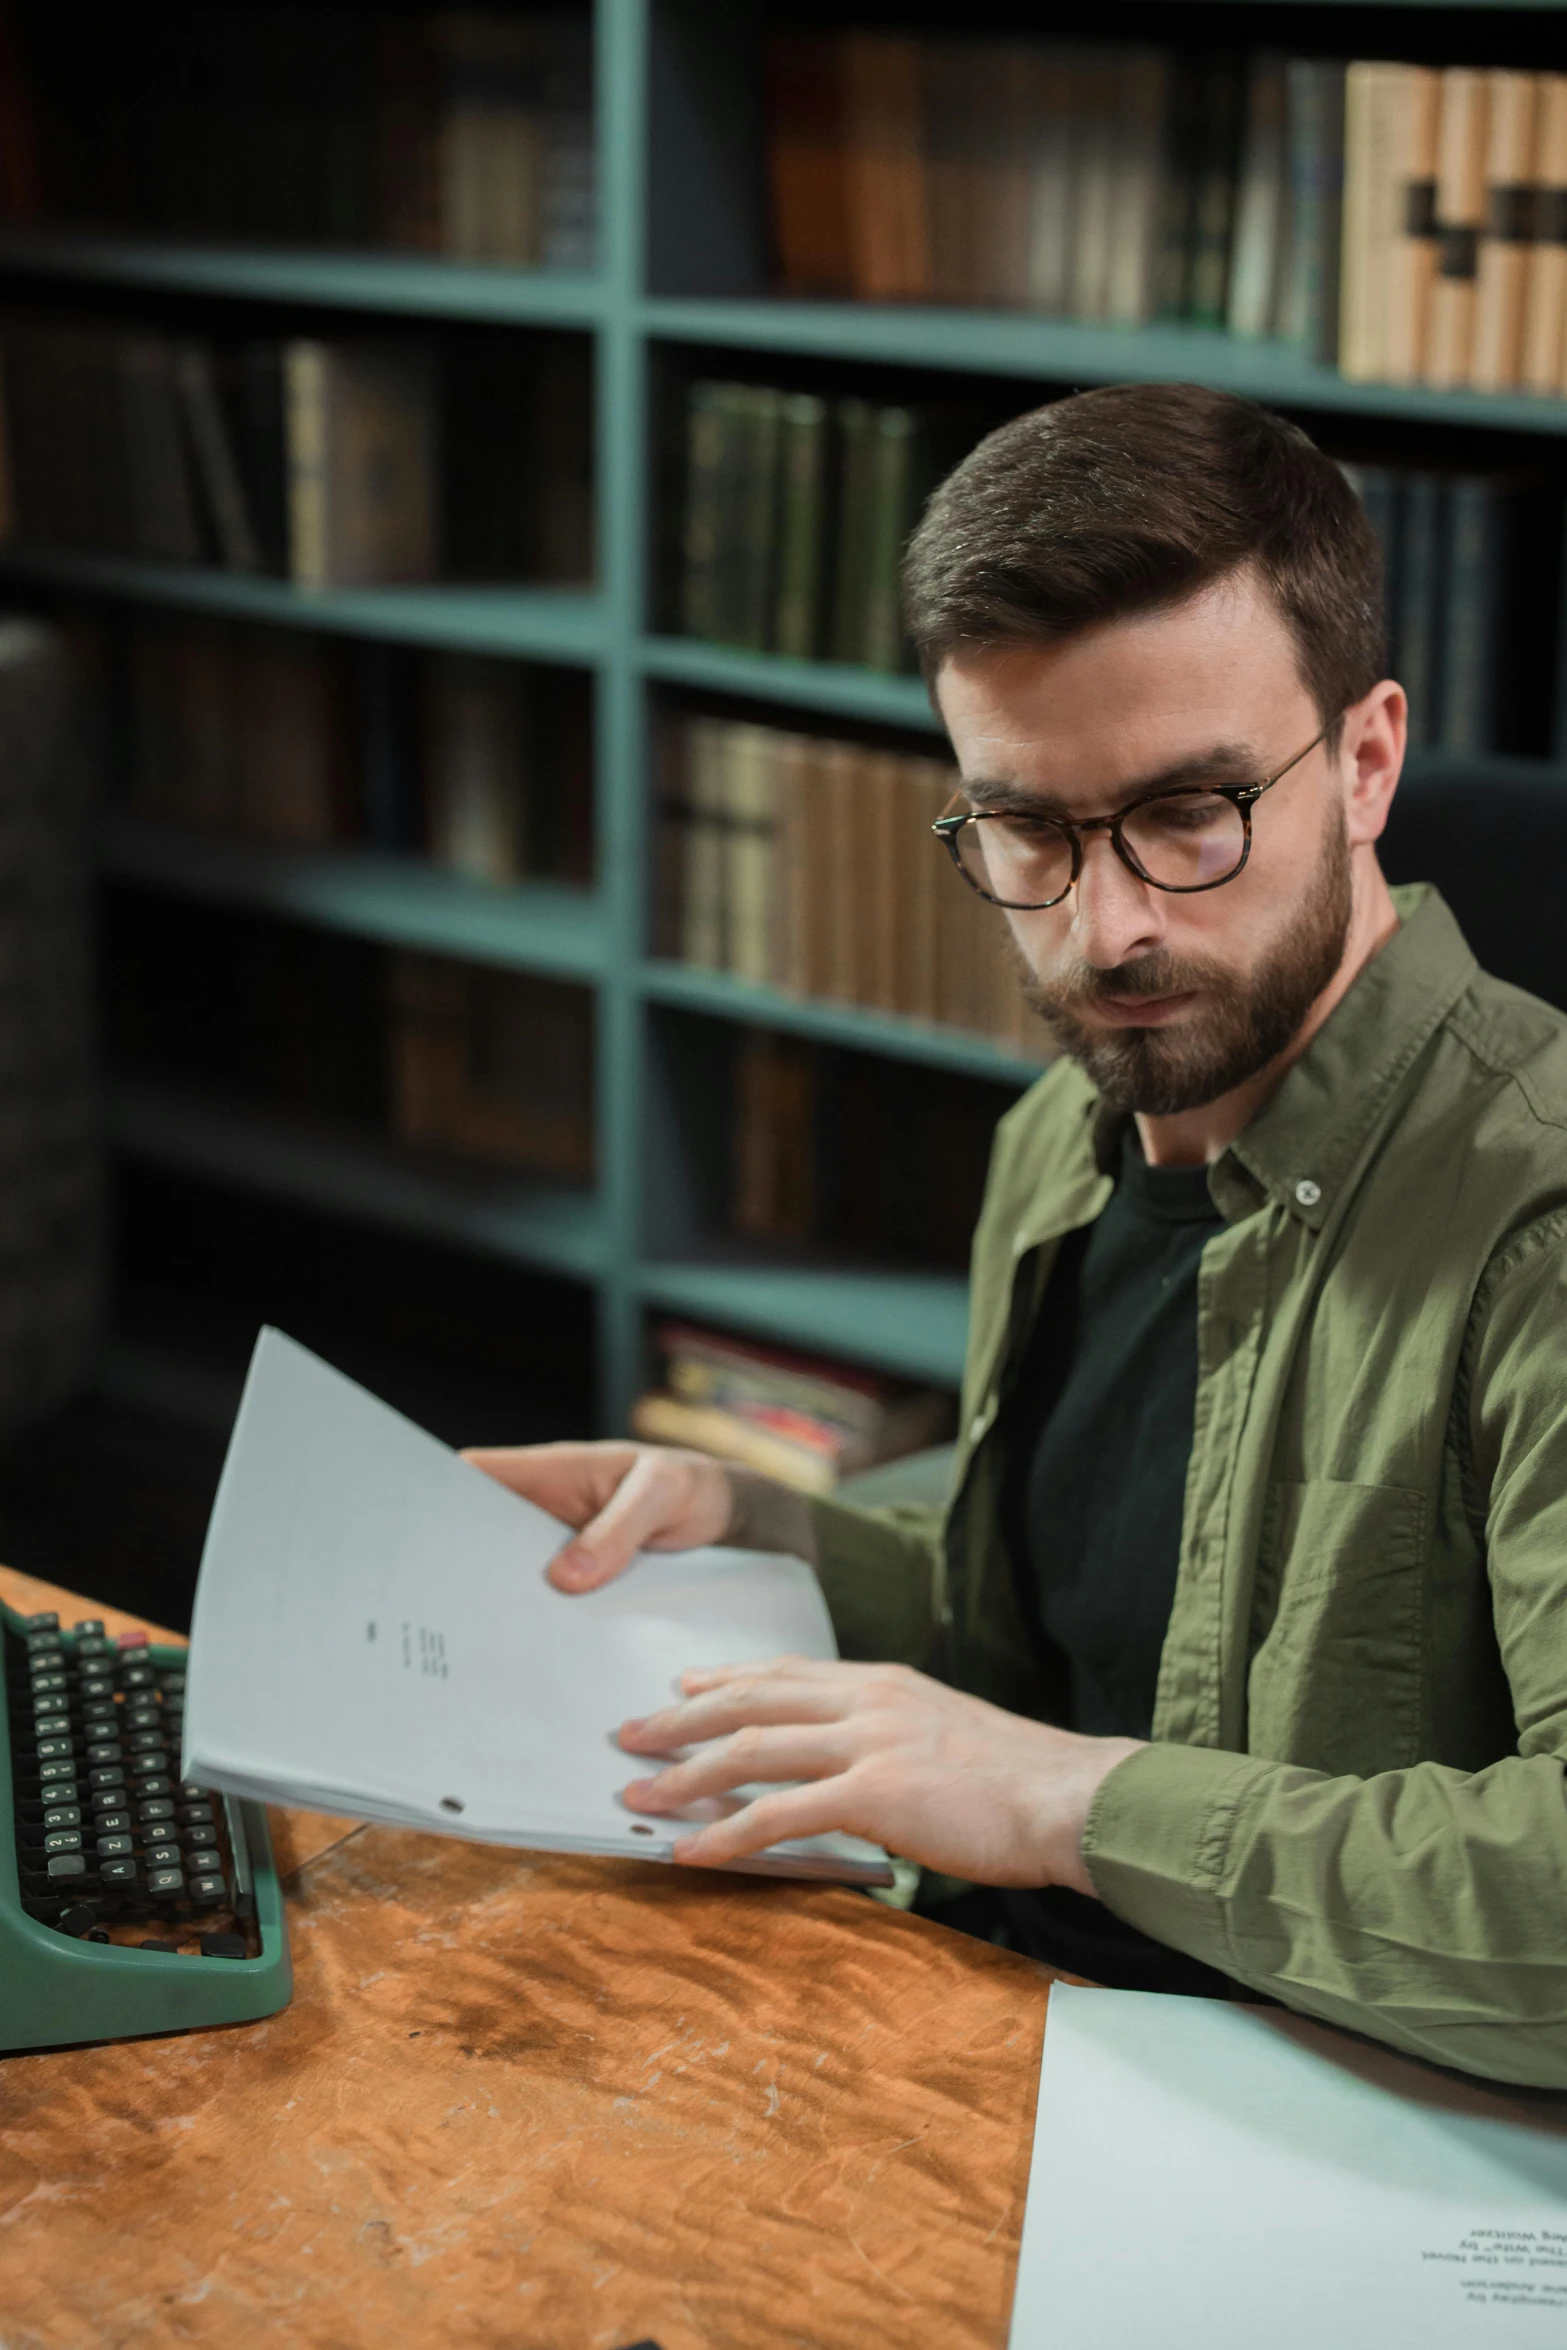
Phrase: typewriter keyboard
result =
(111, 1843)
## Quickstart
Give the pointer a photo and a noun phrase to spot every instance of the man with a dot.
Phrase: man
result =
(1240, 1658)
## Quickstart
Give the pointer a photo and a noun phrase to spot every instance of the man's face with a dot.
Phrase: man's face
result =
(1167, 1001)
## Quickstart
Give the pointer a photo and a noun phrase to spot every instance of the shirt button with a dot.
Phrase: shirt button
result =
(976, 1428)
(1307, 1192)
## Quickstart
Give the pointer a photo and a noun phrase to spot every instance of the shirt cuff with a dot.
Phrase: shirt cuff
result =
(1157, 1844)
(878, 1575)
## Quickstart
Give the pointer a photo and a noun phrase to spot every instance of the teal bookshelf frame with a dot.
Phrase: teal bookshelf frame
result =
(679, 274)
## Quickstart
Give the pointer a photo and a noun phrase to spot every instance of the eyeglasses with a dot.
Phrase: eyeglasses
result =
(1193, 838)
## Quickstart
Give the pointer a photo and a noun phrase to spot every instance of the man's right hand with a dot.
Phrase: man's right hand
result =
(620, 1498)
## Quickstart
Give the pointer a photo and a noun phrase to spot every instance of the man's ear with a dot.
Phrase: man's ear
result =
(1371, 758)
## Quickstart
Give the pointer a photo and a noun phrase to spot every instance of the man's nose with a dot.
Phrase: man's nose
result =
(1114, 915)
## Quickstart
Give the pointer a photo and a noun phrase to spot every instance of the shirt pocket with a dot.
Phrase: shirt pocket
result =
(1337, 1677)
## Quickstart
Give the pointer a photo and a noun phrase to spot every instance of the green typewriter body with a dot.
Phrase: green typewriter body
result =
(130, 1901)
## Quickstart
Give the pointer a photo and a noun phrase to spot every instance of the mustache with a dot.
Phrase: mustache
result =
(1146, 975)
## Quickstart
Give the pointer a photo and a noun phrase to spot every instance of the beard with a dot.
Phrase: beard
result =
(1246, 1021)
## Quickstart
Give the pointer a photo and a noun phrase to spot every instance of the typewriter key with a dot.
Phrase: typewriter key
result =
(63, 1840)
(114, 1847)
(64, 1815)
(118, 1873)
(207, 1889)
(163, 1856)
(165, 1881)
(67, 1864)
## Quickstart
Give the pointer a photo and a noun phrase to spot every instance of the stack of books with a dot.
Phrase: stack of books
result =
(482, 765)
(809, 865)
(794, 516)
(1455, 228)
(467, 133)
(1470, 594)
(806, 1422)
(1120, 183)
(355, 462)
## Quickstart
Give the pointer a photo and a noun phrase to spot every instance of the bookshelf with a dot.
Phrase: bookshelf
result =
(680, 289)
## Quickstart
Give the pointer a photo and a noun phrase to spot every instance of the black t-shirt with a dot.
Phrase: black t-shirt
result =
(1098, 1435)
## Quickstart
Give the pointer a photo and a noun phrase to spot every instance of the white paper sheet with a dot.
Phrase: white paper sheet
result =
(374, 1635)
(1217, 2177)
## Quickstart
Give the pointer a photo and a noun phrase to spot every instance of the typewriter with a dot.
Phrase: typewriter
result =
(131, 1901)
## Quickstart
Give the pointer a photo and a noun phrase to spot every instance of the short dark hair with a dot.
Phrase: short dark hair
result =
(1119, 501)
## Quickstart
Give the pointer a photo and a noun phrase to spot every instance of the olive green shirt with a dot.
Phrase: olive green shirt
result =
(1354, 1799)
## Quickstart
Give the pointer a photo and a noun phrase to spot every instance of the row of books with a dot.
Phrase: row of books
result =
(852, 1156)
(793, 516)
(1470, 591)
(468, 133)
(809, 865)
(353, 462)
(482, 765)
(1409, 221)
(1122, 183)
(440, 1057)
(795, 1417)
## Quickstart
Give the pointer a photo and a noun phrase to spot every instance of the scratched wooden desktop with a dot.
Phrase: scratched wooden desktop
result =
(541, 2103)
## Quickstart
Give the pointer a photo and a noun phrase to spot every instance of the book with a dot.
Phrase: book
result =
(1376, 177)
(885, 169)
(1462, 140)
(807, 164)
(1464, 716)
(803, 520)
(1283, 2182)
(373, 1634)
(1412, 267)
(360, 440)
(1422, 535)
(1309, 288)
(476, 784)
(1543, 367)
(774, 1188)
(1508, 229)
(1262, 199)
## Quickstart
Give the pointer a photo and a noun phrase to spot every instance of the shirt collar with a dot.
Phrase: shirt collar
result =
(1305, 1140)
(1303, 1144)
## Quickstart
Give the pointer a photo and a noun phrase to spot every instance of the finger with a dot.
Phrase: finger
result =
(571, 1481)
(701, 1677)
(756, 1757)
(738, 1706)
(771, 1819)
(641, 1507)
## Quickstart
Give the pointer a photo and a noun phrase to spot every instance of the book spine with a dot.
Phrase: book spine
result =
(305, 367)
(1507, 233)
(845, 940)
(1412, 262)
(1213, 192)
(1137, 185)
(1051, 187)
(885, 156)
(1421, 532)
(706, 421)
(1460, 217)
(1094, 166)
(751, 819)
(1467, 678)
(1309, 305)
(1261, 200)
(1374, 99)
(856, 430)
(893, 468)
(1544, 361)
(802, 525)
(751, 598)
(806, 165)
(704, 924)
(217, 466)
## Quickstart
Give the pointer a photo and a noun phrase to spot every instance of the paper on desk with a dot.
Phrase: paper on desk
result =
(1217, 2177)
(373, 1635)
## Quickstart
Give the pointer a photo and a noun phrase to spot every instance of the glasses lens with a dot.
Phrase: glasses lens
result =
(1021, 861)
(1188, 840)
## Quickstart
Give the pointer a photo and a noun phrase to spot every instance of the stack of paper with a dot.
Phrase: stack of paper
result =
(374, 1635)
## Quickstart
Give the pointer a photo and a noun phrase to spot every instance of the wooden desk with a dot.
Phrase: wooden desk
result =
(545, 2104)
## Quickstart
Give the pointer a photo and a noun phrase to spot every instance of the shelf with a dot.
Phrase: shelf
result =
(725, 997)
(536, 1224)
(835, 688)
(414, 285)
(1063, 351)
(912, 1324)
(402, 901)
(546, 624)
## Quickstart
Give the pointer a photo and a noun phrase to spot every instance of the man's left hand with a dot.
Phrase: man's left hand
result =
(884, 1753)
